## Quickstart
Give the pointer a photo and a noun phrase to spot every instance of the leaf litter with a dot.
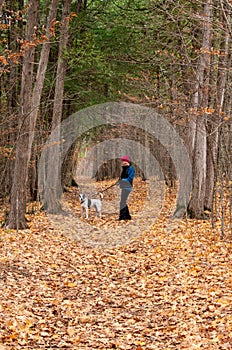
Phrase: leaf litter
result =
(168, 288)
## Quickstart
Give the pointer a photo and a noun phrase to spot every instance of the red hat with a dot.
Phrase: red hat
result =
(125, 159)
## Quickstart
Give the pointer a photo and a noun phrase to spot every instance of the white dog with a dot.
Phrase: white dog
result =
(87, 203)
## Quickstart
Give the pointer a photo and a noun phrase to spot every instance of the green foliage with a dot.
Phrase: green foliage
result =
(125, 47)
(114, 43)
(103, 46)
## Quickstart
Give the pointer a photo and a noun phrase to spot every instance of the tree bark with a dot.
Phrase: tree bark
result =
(198, 137)
(1, 3)
(213, 125)
(54, 189)
(18, 192)
(29, 108)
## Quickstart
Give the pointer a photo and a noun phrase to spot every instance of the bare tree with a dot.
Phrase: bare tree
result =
(51, 199)
(18, 191)
(29, 108)
(198, 134)
(218, 86)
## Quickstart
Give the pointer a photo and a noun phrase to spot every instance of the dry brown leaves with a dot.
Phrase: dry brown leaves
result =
(145, 204)
(170, 288)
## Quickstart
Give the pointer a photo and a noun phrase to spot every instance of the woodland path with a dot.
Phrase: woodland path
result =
(168, 288)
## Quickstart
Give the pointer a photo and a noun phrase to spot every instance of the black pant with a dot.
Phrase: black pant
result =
(124, 210)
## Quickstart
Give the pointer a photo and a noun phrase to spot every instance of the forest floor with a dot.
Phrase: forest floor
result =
(158, 284)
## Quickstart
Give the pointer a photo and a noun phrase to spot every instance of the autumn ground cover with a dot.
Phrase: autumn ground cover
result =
(168, 288)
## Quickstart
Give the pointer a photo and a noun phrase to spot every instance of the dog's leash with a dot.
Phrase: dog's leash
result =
(106, 189)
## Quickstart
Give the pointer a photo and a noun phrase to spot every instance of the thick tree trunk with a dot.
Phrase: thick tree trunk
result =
(198, 135)
(30, 100)
(216, 118)
(53, 192)
(199, 170)
(18, 192)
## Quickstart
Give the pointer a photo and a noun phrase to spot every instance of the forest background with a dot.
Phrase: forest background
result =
(58, 57)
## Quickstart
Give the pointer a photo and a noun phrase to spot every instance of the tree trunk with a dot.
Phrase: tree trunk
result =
(198, 137)
(54, 189)
(18, 192)
(29, 108)
(216, 118)
(12, 78)
(1, 3)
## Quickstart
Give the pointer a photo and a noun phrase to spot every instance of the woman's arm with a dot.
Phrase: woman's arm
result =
(131, 174)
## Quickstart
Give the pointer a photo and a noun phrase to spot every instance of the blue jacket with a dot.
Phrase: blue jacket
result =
(127, 177)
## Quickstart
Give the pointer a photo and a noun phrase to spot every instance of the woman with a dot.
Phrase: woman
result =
(126, 183)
